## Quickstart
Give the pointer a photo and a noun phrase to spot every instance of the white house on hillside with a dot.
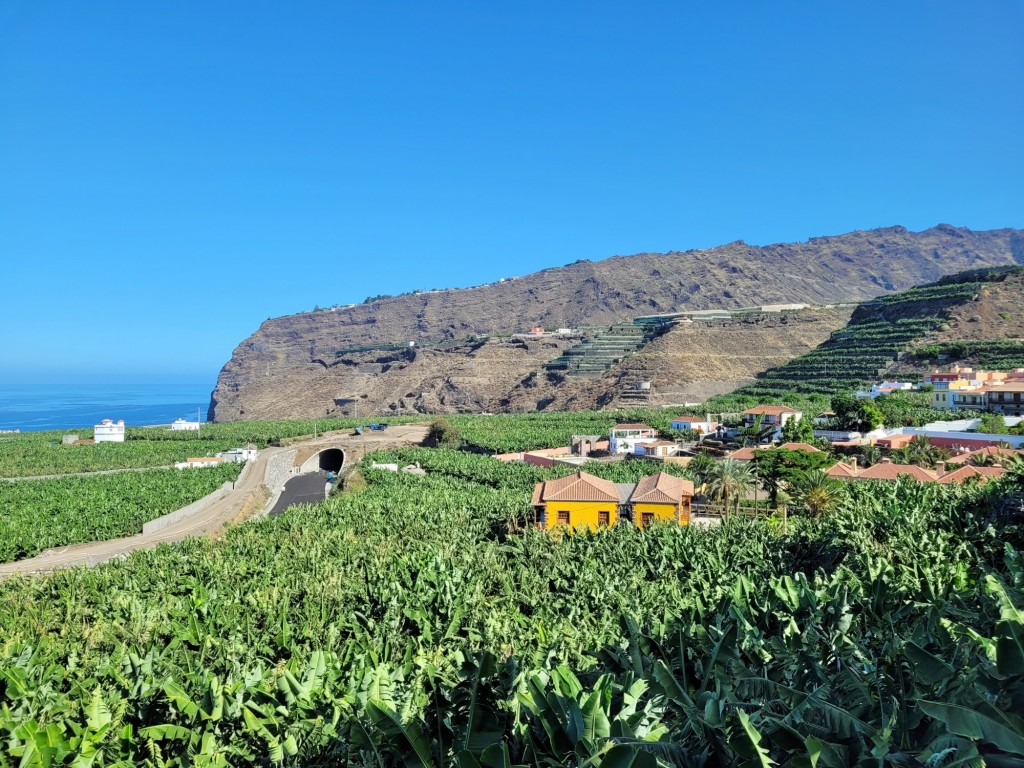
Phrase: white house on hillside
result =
(180, 424)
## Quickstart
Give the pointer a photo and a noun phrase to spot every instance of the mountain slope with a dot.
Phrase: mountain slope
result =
(301, 365)
(971, 318)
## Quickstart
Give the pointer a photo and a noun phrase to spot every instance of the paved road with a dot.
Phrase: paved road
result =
(221, 512)
(302, 489)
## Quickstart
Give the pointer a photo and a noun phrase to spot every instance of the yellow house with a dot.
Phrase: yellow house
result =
(577, 501)
(661, 498)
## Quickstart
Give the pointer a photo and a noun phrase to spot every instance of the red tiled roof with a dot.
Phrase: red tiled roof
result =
(961, 474)
(799, 447)
(886, 471)
(661, 488)
(840, 469)
(991, 450)
(743, 454)
(747, 454)
(769, 410)
(579, 486)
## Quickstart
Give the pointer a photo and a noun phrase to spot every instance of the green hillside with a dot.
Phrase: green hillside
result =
(882, 330)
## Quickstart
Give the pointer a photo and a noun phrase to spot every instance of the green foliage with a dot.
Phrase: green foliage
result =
(798, 430)
(444, 435)
(38, 514)
(406, 624)
(860, 414)
(993, 423)
(780, 467)
(879, 331)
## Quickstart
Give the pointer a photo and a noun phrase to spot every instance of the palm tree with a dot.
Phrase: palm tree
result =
(921, 451)
(730, 480)
(904, 455)
(818, 492)
(870, 455)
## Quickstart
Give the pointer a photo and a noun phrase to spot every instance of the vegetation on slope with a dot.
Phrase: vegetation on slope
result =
(404, 624)
(858, 354)
(38, 514)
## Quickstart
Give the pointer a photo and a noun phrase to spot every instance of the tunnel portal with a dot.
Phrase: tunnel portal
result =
(331, 459)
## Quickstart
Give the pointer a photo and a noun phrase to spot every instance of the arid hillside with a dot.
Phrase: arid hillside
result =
(318, 362)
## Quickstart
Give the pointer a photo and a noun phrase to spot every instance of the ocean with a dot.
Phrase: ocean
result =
(32, 405)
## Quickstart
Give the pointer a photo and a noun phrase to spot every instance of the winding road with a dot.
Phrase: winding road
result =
(246, 499)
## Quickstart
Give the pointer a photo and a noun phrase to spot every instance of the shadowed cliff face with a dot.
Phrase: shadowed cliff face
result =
(301, 365)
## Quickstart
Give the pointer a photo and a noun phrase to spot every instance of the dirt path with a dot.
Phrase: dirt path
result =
(212, 520)
(84, 474)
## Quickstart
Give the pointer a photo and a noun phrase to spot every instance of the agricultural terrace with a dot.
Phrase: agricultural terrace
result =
(36, 515)
(995, 354)
(409, 623)
(859, 353)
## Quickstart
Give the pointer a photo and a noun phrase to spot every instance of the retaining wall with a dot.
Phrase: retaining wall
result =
(279, 469)
(180, 514)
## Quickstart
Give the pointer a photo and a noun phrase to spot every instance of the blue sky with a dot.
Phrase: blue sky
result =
(172, 174)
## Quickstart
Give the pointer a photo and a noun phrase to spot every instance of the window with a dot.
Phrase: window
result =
(602, 517)
(646, 519)
(563, 517)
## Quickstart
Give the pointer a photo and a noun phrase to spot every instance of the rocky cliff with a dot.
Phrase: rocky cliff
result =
(327, 362)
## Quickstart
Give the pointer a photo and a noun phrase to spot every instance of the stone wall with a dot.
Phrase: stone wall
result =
(279, 469)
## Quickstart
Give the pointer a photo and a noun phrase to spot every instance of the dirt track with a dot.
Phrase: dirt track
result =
(212, 520)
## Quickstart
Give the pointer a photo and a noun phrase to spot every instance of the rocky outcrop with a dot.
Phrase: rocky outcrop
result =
(327, 362)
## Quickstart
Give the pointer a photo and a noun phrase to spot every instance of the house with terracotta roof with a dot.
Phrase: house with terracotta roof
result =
(624, 437)
(887, 470)
(661, 498)
(967, 472)
(775, 416)
(582, 501)
(579, 500)
(988, 454)
(748, 453)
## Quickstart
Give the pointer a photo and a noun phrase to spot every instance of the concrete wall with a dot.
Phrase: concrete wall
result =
(180, 514)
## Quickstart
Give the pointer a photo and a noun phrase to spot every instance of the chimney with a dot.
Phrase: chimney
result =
(886, 460)
(940, 468)
(853, 463)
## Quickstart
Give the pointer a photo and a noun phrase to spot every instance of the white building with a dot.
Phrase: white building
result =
(624, 437)
(239, 455)
(656, 448)
(703, 426)
(109, 432)
(199, 462)
(884, 389)
(181, 424)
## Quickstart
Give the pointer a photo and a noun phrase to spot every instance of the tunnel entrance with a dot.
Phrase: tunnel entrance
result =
(331, 460)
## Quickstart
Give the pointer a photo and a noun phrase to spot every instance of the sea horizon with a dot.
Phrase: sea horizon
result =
(35, 404)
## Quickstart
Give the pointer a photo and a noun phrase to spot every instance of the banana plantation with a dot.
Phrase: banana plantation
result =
(416, 622)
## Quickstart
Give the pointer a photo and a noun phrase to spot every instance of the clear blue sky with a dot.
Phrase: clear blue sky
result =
(172, 174)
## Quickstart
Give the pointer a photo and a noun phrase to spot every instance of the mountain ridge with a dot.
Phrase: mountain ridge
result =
(271, 373)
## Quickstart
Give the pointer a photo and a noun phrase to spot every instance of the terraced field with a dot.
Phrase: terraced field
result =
(879, 331)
